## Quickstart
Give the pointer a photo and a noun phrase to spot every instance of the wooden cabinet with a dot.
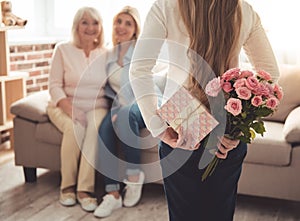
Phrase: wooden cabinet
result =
(4, 52)
(12, 88)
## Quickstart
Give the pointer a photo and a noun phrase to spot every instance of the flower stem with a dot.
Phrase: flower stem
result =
(215, 165)
(210, 168)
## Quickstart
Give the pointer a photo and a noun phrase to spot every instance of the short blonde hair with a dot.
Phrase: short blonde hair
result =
(78, 16)
(133, 12)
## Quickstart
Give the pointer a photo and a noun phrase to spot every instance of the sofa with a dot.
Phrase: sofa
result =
(37, 140)
(271, 168)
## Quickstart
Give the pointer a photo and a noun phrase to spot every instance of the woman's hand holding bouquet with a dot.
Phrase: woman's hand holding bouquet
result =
(250, 96)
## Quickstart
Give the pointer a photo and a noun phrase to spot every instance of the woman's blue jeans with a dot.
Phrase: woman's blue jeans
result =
(124, 133)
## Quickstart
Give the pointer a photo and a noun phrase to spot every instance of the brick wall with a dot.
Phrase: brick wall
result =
(34, 59)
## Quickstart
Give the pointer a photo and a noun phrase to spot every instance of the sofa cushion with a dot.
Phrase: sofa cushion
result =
(48, 133)
(291, 129)
(32, 107)
(289, 80)
(272, 148)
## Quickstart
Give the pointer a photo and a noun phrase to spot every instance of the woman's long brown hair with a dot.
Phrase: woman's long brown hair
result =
(213, 27)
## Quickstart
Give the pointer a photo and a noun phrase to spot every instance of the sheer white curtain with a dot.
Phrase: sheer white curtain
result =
(281, 21)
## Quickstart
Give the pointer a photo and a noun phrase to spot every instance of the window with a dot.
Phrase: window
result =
(53, 18)
(280, 19)
(18, 7)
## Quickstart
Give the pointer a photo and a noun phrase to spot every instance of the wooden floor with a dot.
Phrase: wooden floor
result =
(39, 201)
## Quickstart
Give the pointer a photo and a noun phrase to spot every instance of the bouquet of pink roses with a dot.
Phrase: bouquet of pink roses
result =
(249, 97)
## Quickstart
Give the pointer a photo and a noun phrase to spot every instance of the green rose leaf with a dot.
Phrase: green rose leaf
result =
(259, 127)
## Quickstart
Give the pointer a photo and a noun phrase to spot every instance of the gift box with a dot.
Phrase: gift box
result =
(182, 109)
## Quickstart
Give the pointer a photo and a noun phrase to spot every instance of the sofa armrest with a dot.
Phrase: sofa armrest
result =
(32, 107)
(291, 128)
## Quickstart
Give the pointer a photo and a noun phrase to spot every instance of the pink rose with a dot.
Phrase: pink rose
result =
(272, 103)
(252, 83)
(256, 101)
(240, 83)
(234, 106)
(264, 75)
(213, 87)
(246, 74)
(227, 87)
(270, 89)
(262, 90)
(231, 74)
(278, 91)
(243, 93)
